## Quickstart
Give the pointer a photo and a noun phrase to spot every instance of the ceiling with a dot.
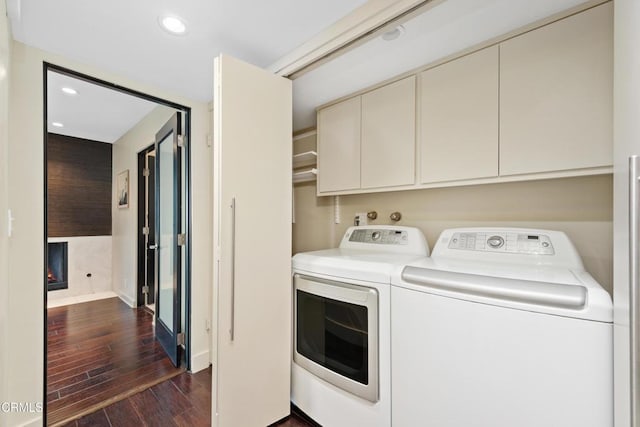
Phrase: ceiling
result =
(124, 37)
(95, 112)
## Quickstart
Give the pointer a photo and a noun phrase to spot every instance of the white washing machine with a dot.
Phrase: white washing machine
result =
(341, 349)
(501, 328)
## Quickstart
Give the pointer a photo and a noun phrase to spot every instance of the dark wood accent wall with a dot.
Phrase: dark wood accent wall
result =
(78, 187)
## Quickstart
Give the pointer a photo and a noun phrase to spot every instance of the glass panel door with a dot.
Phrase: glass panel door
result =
(168, 226)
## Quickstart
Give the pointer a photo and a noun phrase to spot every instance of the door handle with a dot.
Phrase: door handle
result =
(233, 268)
(634, 199)
(153, 247)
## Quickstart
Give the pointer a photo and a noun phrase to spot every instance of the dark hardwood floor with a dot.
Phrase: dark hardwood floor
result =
(104, 368)
(98, 353)
(183, 401)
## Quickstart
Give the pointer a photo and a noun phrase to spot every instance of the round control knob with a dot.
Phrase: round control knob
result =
(545, 244)
(495, 242)
(375, 235)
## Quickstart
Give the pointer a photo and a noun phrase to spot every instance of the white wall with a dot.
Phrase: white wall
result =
(124, 230)
(582, 207)
(86, 255)
(25, 326)
(313, 216)
(4, 142)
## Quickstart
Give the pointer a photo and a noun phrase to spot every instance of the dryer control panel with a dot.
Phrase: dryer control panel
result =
(394, 239)
(388, 237)
(517, 243)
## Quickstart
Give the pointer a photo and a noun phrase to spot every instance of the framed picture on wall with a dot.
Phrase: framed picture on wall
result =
(122, 189)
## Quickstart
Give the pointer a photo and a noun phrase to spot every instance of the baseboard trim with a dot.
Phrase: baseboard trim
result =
(129, 301)
(200, 361)
(32, 423)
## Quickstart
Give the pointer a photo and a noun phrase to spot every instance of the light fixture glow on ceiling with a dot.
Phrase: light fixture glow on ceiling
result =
(57, 124)
(393, 34)
(173, 24)
(69, 91)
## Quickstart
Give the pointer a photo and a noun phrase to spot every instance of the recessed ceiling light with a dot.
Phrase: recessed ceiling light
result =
(393, 34)
(57, 124)
(69, 91)
(173, 24)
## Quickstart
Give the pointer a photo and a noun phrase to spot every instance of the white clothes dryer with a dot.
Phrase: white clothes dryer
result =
(501, 327)
(341, 350)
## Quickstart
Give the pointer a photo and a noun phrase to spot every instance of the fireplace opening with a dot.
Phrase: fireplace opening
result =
(57, 267)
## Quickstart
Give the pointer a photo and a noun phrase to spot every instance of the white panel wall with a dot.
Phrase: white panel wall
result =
(86, 255)
(4, 141)
(26, 245)
(24, 379)
(310, 231)
(125, 221)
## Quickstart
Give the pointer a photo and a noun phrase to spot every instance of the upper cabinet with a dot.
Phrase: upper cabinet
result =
(535, 105)
(459, 118)
(368, 141)
(339, 146)
(556, 92)
(389, 135)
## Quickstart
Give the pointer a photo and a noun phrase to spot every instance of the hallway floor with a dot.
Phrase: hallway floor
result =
(183, 401)
(98, 353)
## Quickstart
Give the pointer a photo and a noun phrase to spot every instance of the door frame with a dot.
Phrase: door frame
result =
(47, 66)
(142, 190)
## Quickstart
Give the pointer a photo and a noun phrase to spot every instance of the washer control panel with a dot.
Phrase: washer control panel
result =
(517, 243)
(380, 236)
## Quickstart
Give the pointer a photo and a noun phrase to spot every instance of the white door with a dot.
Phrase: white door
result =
(252, 249)
(625, 238)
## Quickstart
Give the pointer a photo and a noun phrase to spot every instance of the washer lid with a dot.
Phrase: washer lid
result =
(543, 289)
(355, 264)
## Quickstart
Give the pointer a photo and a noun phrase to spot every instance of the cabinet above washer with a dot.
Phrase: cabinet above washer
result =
(556, 95)
(458, 124)
(368, 141)
(531, 105)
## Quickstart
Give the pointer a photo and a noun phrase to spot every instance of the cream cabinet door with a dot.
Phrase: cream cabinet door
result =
(388, 135)
(252, 245)
(458, 125)
(556, 95)
(339, 146)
